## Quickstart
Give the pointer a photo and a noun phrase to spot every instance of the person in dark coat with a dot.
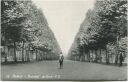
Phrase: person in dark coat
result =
(61, 58)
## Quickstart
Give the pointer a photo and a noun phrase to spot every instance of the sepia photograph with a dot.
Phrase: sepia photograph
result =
(63, 40)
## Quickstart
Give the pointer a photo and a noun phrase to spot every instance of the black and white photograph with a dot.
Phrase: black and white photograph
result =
(63, 40)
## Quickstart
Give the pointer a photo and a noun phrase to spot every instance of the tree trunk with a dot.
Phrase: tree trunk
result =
(96, 56)
(92, 58)
(90, 55)
(88, 58)
(116, 59)
(36, 55)
(8, 55)
(117, 44)
(83, 57)
(15, 58)
(28, 59)
(25, 56)
(42, 55)
(100, 56)
(107, 57)
(78, 58)
(32, 55)
(46, 57)
(23, 52)
(75, 58)
(5, 54)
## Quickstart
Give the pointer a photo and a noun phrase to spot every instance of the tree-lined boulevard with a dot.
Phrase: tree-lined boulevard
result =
(30, 51)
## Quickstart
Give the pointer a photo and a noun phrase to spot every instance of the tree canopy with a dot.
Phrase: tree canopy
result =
(105, 24)
(23, 23)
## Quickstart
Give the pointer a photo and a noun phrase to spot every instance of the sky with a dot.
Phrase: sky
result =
(64, 18)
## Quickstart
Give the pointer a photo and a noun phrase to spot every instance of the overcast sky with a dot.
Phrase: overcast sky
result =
(64, 18)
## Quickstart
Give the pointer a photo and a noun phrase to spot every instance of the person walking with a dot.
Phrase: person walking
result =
(61, 58)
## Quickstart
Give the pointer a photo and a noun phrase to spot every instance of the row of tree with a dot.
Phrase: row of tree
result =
(102, 36)
(25, 34)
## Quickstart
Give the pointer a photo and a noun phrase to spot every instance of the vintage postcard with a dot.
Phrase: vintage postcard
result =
(64, 40)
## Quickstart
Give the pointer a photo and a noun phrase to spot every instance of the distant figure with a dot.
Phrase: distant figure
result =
(121, 59)
(61, 58)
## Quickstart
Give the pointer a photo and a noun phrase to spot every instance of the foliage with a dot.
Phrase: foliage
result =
(25, 25)
(103, 25)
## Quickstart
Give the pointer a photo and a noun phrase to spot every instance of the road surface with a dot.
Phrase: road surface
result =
(72, 70)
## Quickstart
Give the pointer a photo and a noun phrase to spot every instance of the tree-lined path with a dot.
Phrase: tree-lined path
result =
(73, 70)
(33, 47)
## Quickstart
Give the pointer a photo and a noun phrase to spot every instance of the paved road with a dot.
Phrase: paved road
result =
(73, 70)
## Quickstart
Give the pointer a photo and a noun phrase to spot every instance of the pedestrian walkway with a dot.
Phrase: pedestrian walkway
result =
(72, 70)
